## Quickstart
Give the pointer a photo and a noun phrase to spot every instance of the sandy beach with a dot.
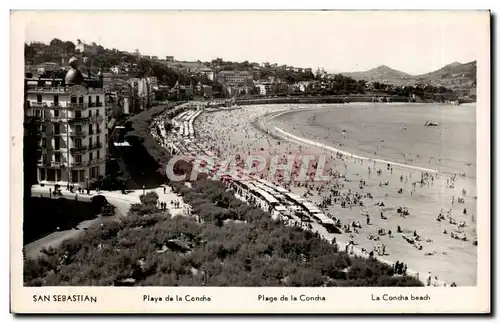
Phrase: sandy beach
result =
(311, 129)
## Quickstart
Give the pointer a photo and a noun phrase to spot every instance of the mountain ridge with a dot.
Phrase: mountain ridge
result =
(460, 77)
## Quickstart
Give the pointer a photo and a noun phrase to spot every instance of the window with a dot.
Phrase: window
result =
(56, 113)
(90, 156)
(37, 113)
(56, 100)
(80, 99)
(106, 137)
(73, 99)
(97, 112)
(42, 174)
(57, 157)
(90, 100)
(78, 128)
(57, 143)
(98, 154)
(78, 158)
(78, 142)
(91, 130)
(57, 129)
(39, 98)
(78, 114)
(97, 101)
(44, 157)
(90, 142)
(90, 113)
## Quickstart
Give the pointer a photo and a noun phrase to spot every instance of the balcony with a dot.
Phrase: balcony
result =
(57, 119)
(78, 120)
(77, 106)
(95, 161)
(45, 89)
(77, 133)
(96, 105)
(80, 149)
(87, 163)
(78, 164)
(55, 164)
(38, 105)
(96, 119)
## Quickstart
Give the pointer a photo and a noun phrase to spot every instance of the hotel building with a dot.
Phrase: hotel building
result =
(71, 122)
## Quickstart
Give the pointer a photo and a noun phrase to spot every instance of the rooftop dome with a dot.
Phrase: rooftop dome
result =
(73, 77)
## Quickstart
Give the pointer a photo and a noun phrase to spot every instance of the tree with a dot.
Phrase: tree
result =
(56, 43)
(69, 47)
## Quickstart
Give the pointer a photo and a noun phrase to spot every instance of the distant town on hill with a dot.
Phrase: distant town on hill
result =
(172, 79)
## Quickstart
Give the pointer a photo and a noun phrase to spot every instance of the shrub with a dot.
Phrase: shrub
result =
(143, 209)
(150, 199)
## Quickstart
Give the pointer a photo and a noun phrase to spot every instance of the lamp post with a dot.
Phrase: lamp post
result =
(143, 190)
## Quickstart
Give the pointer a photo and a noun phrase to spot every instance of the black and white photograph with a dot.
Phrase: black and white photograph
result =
(317, 149)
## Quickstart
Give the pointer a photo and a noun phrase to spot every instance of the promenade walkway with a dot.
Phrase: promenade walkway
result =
(122, 202)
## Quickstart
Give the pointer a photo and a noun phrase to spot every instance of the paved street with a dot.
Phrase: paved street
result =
(121, 201)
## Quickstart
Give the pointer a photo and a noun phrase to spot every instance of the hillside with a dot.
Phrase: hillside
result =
(456, 76)
(461, 78)
(382, 74)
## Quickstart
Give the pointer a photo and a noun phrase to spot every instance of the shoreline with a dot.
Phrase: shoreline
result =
(360, 155)
(341, 99)
(286, 135)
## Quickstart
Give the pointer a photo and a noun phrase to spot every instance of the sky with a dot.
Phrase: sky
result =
(413, 42)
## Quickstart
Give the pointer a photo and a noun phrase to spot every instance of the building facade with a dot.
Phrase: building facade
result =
(72, 123)
(264, 88)
(235, 78)
(86, 49)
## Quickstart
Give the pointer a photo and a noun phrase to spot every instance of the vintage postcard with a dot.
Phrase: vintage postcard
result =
(250, 162)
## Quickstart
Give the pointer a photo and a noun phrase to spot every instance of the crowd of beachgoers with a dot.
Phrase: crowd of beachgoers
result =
(375, 204)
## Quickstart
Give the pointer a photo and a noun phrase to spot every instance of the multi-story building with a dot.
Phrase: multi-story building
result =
(208, 72)
(235, 78)
(72, 124)
(264, 88)
(86, 48)
(142, 88)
